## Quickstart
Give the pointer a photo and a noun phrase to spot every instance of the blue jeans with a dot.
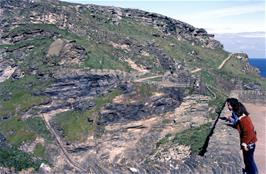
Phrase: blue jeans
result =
(250, 165)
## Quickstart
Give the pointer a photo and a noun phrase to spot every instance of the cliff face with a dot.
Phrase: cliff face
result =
(68, 17)
(107, 90)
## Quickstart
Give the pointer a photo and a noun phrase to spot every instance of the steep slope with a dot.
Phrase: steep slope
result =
(101, 89)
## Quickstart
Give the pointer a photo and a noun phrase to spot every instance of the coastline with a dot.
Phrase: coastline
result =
(259, 63)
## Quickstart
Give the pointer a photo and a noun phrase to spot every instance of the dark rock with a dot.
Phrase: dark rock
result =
(156, 35)
(126, 87)
(46, 101)
(81, 86)
(83, 105)
(127, 42)
(119, 112)
(164, 104)
(251, 86)
(5, 117)
(17, 74)
(90, 120)
(114, 113)
(80, 149)
(2, 139)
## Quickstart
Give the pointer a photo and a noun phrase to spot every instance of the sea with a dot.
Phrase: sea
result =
(259, 63)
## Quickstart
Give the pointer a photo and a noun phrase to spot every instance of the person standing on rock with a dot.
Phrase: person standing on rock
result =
(247, 133)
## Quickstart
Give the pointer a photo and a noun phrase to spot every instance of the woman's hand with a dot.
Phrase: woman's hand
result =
(244, 146)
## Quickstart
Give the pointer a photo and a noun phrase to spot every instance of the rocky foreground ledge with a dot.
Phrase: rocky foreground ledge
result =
(223, 153)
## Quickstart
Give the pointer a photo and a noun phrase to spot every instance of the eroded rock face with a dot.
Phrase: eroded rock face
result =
(78, 85)
(27, 34)
(69, 53)
(171, 26)
(78, 89)
(132, 143)
(72, 54)
(63, 18)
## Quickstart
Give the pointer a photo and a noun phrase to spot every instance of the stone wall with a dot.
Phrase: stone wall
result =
(251, 96)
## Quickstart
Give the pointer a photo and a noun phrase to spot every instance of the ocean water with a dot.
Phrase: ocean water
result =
(259, 63)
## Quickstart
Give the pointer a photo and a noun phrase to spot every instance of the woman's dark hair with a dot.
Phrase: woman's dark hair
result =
(237, 106)
(234, 103)
(242, 110)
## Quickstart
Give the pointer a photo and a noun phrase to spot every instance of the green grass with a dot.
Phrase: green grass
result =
(144, 90)
(100, 56)
(16, 98)
(217, 101)
(164, 140)
(74, 123)
(39, 150)
(102, 100)
(179, 51)
(207, 78)
(134, 29)
(17, 95)
(37, 125)
(17, 159)
(16, 131)
(209, 58)
(20, 101)
(194, 137)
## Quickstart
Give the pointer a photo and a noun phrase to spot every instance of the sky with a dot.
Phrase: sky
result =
(239, 24)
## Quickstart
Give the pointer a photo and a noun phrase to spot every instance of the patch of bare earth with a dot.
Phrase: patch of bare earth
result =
(120, 46)
(55, 47)
(136, 67)
(116, 147)
(7, 73)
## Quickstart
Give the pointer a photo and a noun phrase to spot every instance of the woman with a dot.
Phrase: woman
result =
(233, 119)
(247, 133)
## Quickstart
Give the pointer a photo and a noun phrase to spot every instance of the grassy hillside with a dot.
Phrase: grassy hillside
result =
(99, 38)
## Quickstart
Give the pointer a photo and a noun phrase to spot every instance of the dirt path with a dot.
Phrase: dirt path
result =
(46, 117)
(195, 70)
(225, 60)
(258, 116)
(148, 78)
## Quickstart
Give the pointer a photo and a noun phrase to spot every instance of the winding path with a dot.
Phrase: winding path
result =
(225, 60)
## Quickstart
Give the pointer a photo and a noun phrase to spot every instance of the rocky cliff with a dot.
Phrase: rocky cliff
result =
(87, 88)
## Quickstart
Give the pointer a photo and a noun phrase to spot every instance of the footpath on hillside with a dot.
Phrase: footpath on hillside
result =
(224, 62)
